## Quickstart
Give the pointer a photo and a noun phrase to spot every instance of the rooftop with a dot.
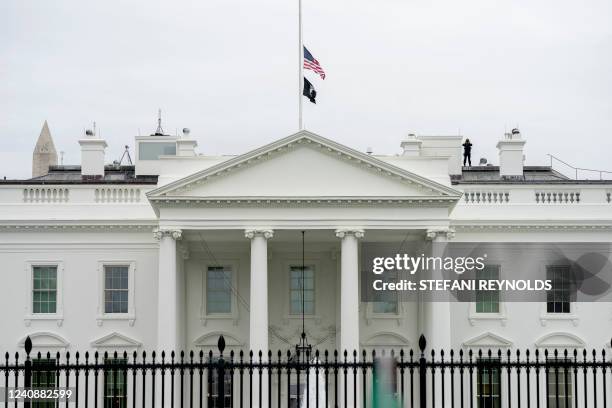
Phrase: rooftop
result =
(70, 174)
(531, 175)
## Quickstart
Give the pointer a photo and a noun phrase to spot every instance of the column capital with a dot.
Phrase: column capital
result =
(356, 232)
(252, 233)
(434, 234)
(175, 234)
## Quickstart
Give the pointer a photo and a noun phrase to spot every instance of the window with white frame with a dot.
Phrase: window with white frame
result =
(559, 385)
(115, 383)
(487, 301)
(558, 298)
(44, 289)
(43, 376)
(301, 290)
(116, 288)
(219, 290)
(386, 301)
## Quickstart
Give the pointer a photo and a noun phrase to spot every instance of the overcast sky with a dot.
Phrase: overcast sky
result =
(228, 71)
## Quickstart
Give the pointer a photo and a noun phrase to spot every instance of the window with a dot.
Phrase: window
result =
(219, 290)
(297, 282)
(43, 376)
(385, 301)
(115, 387)
(116, 288)
(152, 150)
(558, 298)
(213, 389)
(559, 387)
(488, 387)
(44, 289)
(487, 301)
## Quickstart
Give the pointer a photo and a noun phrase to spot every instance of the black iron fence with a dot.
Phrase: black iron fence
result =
(416, 378)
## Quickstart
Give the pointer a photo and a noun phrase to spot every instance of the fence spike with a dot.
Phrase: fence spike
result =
(221, 344)
(28, 345)
(422, 343)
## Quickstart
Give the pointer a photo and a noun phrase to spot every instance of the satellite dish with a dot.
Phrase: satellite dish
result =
(186, 131)
(89, 132)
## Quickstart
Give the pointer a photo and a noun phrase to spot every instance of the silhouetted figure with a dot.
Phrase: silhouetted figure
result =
(467, 152)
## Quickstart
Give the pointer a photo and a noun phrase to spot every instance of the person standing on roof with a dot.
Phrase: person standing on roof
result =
(467, 152)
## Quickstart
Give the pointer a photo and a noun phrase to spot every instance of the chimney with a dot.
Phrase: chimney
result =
(511, 154)
(92, 155)
(411, 145)
(185, 146)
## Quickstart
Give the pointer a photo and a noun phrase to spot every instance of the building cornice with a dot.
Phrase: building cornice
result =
(76, 226)
(536, 225)
(194, 201)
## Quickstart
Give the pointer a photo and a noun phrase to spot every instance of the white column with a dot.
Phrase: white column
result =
(168, 302)
(437, 315)
(258, 315)
(349, 300)
(167, 291)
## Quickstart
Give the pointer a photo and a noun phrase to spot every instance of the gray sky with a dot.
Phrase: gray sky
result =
(228, 70)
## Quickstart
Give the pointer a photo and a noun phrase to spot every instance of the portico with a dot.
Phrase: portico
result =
(264, 197)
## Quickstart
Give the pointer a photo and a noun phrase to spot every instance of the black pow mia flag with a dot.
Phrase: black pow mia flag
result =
(309, 91)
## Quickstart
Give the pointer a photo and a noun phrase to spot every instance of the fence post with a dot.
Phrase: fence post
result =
(27, 374)
(221, 374)
(422, 373)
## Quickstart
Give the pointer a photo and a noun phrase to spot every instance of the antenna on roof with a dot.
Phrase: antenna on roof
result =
(62, 157)
(159, 131)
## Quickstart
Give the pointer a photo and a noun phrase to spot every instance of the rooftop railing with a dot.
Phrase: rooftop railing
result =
(577, 171)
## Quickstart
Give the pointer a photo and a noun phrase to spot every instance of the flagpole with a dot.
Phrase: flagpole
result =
(301, 67)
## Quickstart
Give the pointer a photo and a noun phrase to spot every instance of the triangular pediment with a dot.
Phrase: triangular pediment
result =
(115, 341)
(488, 340)
(303, 165)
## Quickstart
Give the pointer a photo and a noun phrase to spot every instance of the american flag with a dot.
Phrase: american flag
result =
(311, 63)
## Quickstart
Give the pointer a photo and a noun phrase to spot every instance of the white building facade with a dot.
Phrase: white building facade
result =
(181, 248)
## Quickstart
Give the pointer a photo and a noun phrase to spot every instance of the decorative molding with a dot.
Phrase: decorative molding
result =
(115, 340)
(252, 233)
(560, 340)
(46, 340)
(488, 339)
(28, 226)
(283, 202)
(344, 232)
(566, 317)
(478, 225)
(175, 234)
(209, 340)
(304, 138)
(386, 339)
(444, 232)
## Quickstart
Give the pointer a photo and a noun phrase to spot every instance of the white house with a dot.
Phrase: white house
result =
(182, 247)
